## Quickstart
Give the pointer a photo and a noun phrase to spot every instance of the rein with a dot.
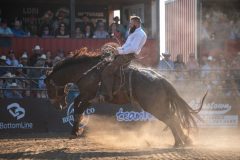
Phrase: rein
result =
(57, 87)
(98, 66)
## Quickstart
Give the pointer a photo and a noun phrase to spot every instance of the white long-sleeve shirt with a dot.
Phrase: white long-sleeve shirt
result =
(134, 43)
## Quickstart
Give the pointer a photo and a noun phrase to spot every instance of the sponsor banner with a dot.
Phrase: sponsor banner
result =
(22, 115)
(133, 116)
(38, 115)
(218, 121)
(218, 113)
(69, 118)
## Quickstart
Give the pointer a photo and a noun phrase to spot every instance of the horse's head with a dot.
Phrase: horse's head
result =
(55, 92)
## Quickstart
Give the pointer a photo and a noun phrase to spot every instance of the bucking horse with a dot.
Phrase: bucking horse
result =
(140, 86)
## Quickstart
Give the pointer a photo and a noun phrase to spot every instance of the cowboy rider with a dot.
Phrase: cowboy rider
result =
(132, 47)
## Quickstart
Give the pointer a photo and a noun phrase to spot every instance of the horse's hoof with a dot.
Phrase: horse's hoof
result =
(80, 132)
(188, 142)
(178, 145)
(73, 136)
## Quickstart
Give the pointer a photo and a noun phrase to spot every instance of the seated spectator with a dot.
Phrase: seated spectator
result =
(3, 59)
(3, 73)
(4, 29)
(88, 32)
(42, 85)
(210, 73)
(21, 74)
(192, 66)
(46, 33)
(37, 73)
(24, 59)
(41, 62)
(61, 16)
(179, 67)
(165, 66)
(37, 51)
(78, 33)
(86, 22)
(11, 59)
(46, 21)
(120, 27)
(62, 31)
(49, 62)
(56, 60)
(114, 32)
(100, 31)
(11, 93)
(17, 29)
(207, 66)
(179, 64)
(166, 63)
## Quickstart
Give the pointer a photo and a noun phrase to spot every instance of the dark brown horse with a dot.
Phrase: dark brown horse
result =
(148, 89)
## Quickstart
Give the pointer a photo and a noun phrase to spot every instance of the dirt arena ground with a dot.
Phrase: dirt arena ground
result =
(111, 141)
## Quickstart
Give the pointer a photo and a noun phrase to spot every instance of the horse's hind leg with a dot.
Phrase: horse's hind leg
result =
(181, 139)
(185, 138)
(177, 136)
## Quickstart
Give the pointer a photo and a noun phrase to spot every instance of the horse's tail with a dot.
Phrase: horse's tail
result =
(179, 107)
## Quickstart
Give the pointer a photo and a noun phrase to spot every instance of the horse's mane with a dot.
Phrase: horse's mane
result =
(81, 55)
(73, 60)
(148, 72)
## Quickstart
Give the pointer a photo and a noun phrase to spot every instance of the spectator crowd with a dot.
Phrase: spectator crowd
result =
(212, 71)
(24, 76)
(214, 74)
(57, 25)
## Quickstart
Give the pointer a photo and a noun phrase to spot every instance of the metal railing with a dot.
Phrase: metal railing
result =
(225, 80)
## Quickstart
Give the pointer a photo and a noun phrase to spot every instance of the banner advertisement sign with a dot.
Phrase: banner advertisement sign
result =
(38, 115)
(218, 113)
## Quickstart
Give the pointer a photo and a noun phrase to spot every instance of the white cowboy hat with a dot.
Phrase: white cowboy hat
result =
(43, 56)
(210, 58)
(9, 75)
(19, 65)
(37, 47)
(166, 54)
(24, 55)
(13, 84)
(3, 57)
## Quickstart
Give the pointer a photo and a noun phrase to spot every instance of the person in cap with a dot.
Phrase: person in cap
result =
(37, 51)
(11, 93)
(166, 63)
(125, 54)
(41, 61)
(11, 59)
(100, 31)
(120, 27)
(192, 66)
(23, 60)
(86, 22)
(3, 71)
(17, 29)
(4, 29)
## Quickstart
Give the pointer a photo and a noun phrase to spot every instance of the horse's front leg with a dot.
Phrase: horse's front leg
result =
(79, 107)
